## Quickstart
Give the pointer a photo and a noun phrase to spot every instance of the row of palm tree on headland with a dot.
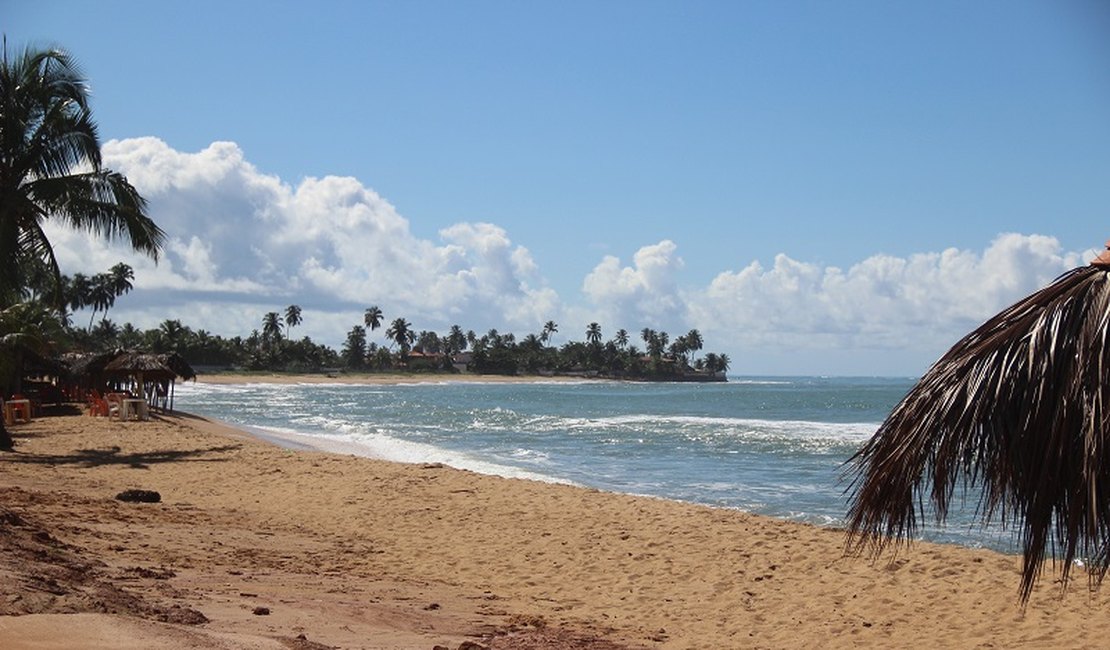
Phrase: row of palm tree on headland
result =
(272, 348)
(495, 352)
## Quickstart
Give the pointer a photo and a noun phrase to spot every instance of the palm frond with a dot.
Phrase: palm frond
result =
(1018, 408)
(102, 202)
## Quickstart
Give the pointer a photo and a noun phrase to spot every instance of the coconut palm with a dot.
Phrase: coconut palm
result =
(593, 333)
(112, 285)
(456, 340)
(292, 317)
(271, 326)
(50, 169)
(1020, 407)
(621, 339)
(694, 340)
(129, 336)
(549, 328)
(354, 349)
(105, 334)
(171, 334)
(373, 317)
(121, 277)
(400, 332)
(77, 291)
(101, 296)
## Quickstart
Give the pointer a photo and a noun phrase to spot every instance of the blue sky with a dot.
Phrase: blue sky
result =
(747, 168)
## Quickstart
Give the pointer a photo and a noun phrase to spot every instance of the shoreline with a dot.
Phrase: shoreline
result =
(355, 552)
(384, 379)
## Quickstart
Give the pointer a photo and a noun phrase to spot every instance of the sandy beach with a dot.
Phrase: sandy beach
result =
(258, 546)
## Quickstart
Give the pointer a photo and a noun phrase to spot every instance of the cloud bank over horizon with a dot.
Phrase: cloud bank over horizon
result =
(242, 243)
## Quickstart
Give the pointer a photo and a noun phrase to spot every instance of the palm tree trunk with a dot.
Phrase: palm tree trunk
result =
(6, 442)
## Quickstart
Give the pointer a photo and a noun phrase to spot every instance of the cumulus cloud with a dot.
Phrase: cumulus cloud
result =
(646, 292)
(883, 302)
(238, 235)
(916, 306)
(242, 243)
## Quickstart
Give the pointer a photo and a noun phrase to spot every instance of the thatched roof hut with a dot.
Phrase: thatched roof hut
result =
(160, 370)
(135, 363)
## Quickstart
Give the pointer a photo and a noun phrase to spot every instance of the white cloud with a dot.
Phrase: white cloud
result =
(242, 243)
(326, 241)
(883, 302)
(884, 306)
(646, 292)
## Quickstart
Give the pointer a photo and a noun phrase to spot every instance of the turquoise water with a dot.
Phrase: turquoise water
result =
(773, 446)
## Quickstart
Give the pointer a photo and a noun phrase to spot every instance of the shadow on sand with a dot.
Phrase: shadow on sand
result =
(137, 460)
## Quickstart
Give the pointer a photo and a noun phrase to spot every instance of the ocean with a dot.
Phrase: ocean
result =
(775, 446)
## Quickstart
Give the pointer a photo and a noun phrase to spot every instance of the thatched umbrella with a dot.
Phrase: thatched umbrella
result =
(178, 365)
(140, 365)
(1019, 407)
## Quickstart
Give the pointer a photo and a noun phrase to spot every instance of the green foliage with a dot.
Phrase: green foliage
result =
(50, 171)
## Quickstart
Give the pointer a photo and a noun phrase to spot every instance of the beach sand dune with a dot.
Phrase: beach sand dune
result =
(257, 546)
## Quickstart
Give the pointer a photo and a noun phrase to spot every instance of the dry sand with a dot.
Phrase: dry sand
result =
(355, 553)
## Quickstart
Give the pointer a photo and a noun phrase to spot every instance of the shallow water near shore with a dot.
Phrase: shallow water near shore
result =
(773, 446)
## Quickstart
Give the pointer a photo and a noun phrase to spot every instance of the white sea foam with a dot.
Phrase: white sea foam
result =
(712, 444)
(385, 447)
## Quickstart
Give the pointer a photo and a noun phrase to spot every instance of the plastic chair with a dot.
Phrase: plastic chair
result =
(98, 407)
(20, 410)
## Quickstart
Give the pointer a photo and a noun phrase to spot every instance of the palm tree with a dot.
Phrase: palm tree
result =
(121, 276)
(679, 349)
(716, 362)
(105, 334)
(101, 296)
(50, 168)
(292, 317)
(112, 285)
(170, 333)
(621, 339)
(373, 317)
(593, 333)
(129, 336)
(694, 341)
(400, 332)
(549, 328)
(456, 340)
(271, 327)
(354, 350)
(77, 291)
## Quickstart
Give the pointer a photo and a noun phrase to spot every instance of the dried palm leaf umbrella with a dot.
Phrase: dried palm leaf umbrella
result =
(1020, 407)
(180, 368)
(142, 367)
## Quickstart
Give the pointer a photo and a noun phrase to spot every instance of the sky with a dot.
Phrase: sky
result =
(820, 188)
